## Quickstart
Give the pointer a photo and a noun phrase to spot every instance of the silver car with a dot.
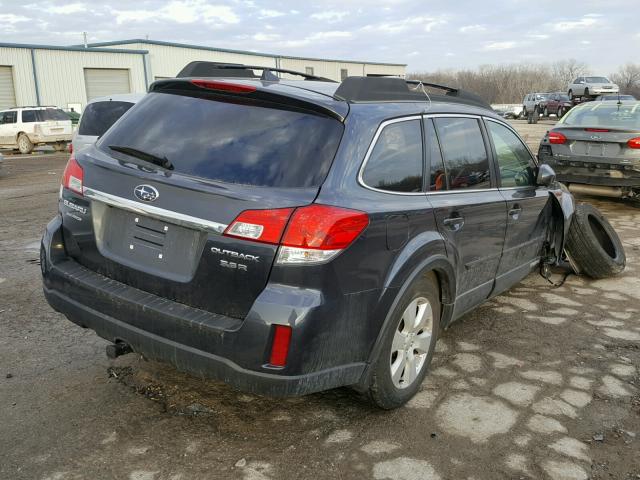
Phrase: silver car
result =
(595, 148)
(591, 87)
(99, 115)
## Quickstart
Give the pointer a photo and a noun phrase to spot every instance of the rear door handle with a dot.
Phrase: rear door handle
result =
(454, 223)
(515, 212)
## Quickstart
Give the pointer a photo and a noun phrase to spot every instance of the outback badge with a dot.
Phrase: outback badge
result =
(146, 193)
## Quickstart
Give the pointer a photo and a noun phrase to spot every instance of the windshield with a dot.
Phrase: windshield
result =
(597, 80)
(229, 142)
(604, 114)
(98, 117)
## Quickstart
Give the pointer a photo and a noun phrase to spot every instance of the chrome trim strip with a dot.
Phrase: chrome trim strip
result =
(370, 150)
(155, 212)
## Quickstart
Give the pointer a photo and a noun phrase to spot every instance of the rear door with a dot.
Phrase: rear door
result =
(528, 207)
(159, 229)
(470, 211)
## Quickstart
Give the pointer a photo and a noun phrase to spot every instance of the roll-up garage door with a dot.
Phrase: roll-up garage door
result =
(101, 82)
(7, 92)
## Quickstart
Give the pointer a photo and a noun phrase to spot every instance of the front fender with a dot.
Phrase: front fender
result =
(564, 206)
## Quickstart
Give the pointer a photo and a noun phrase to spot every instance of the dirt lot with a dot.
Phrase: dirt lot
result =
(539, 383)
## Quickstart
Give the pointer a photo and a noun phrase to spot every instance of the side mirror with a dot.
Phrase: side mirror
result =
(546, 176)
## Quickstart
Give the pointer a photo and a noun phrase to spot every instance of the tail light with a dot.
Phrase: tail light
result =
(634, 143)
(224, 86)
(73, 176)
(557, 138)
(280, 345)
(314, 234)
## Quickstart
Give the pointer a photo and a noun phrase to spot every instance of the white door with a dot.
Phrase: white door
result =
(7, 91)
(102, 82)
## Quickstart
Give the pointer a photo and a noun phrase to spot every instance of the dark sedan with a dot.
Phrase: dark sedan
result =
(595, 149)
(557, 104)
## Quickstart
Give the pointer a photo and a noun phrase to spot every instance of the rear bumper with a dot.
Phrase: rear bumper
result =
(50, 138)
(195, 341)
(592, 171)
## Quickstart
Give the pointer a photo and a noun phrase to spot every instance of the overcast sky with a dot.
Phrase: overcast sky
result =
(426, 35)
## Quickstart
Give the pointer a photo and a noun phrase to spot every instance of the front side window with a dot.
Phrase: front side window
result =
(515, 162)
(465, 156)
(395, 164)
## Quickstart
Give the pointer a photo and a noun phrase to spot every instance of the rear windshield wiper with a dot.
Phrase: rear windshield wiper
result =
(147, 157)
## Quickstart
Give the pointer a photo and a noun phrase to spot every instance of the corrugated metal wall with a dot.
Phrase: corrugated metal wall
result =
(167, 61)
(20, 60)
(61, 73)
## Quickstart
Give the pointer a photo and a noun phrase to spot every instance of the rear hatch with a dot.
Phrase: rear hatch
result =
(51, 122)
(158, 228)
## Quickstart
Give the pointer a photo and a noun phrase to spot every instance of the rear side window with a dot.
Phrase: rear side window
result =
(230, 142)
(395, 163)
(8, 117)
(29, 116)
(98, 117)
(465, 156)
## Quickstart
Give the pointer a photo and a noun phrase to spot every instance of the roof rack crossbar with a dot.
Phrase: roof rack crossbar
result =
(393, 89)
(216, 69)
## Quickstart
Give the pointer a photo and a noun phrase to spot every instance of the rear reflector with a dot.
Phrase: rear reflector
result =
(265, 226)
(556, 138)
(73, 176)
(634, 143)
(224, 86)
(280, 345)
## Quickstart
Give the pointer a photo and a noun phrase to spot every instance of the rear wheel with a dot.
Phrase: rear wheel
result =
(535, 116)
(24, 144)
(524, 112)
(593, 245)
(408, 345)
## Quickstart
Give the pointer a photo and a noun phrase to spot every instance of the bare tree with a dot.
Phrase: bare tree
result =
(563, 72)
(628, 79)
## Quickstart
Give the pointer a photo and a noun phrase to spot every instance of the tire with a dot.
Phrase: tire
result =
(593, 244)
(535, 116)
(24, 144)
(560, 113)
(570, 94)
(546, 112)
(586, 93)
(523, 114)
(392, 387)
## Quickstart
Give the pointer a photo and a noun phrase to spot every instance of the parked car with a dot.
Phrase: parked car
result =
(531, 103)
(510, 111)
(615, 98)
(557, 103)
(99, 115)
(591, 87)
(595, 149)
(289, 237)
(25, 127)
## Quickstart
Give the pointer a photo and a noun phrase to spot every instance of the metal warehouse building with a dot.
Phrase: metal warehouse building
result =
(69, 77)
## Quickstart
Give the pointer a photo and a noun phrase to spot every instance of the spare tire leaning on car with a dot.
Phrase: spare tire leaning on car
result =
(593, 245)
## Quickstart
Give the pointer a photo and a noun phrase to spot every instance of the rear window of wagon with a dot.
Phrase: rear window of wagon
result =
(230, 142)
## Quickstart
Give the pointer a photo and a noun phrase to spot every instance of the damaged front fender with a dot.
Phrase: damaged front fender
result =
(564, 206)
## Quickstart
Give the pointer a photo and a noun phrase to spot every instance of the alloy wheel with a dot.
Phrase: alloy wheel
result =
(411, 343)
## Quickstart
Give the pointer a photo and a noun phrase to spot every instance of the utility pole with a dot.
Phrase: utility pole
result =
(84, 36)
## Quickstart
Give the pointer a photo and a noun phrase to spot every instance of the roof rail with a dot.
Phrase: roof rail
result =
(33, 106)
(238, 70)
(393, 89)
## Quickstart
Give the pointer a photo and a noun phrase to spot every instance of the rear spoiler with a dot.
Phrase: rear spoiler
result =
(245, 91)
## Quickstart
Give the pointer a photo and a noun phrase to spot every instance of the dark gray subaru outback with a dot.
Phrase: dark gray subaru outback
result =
(288, 237)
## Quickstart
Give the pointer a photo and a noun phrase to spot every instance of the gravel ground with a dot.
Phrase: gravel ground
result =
(539, 383)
